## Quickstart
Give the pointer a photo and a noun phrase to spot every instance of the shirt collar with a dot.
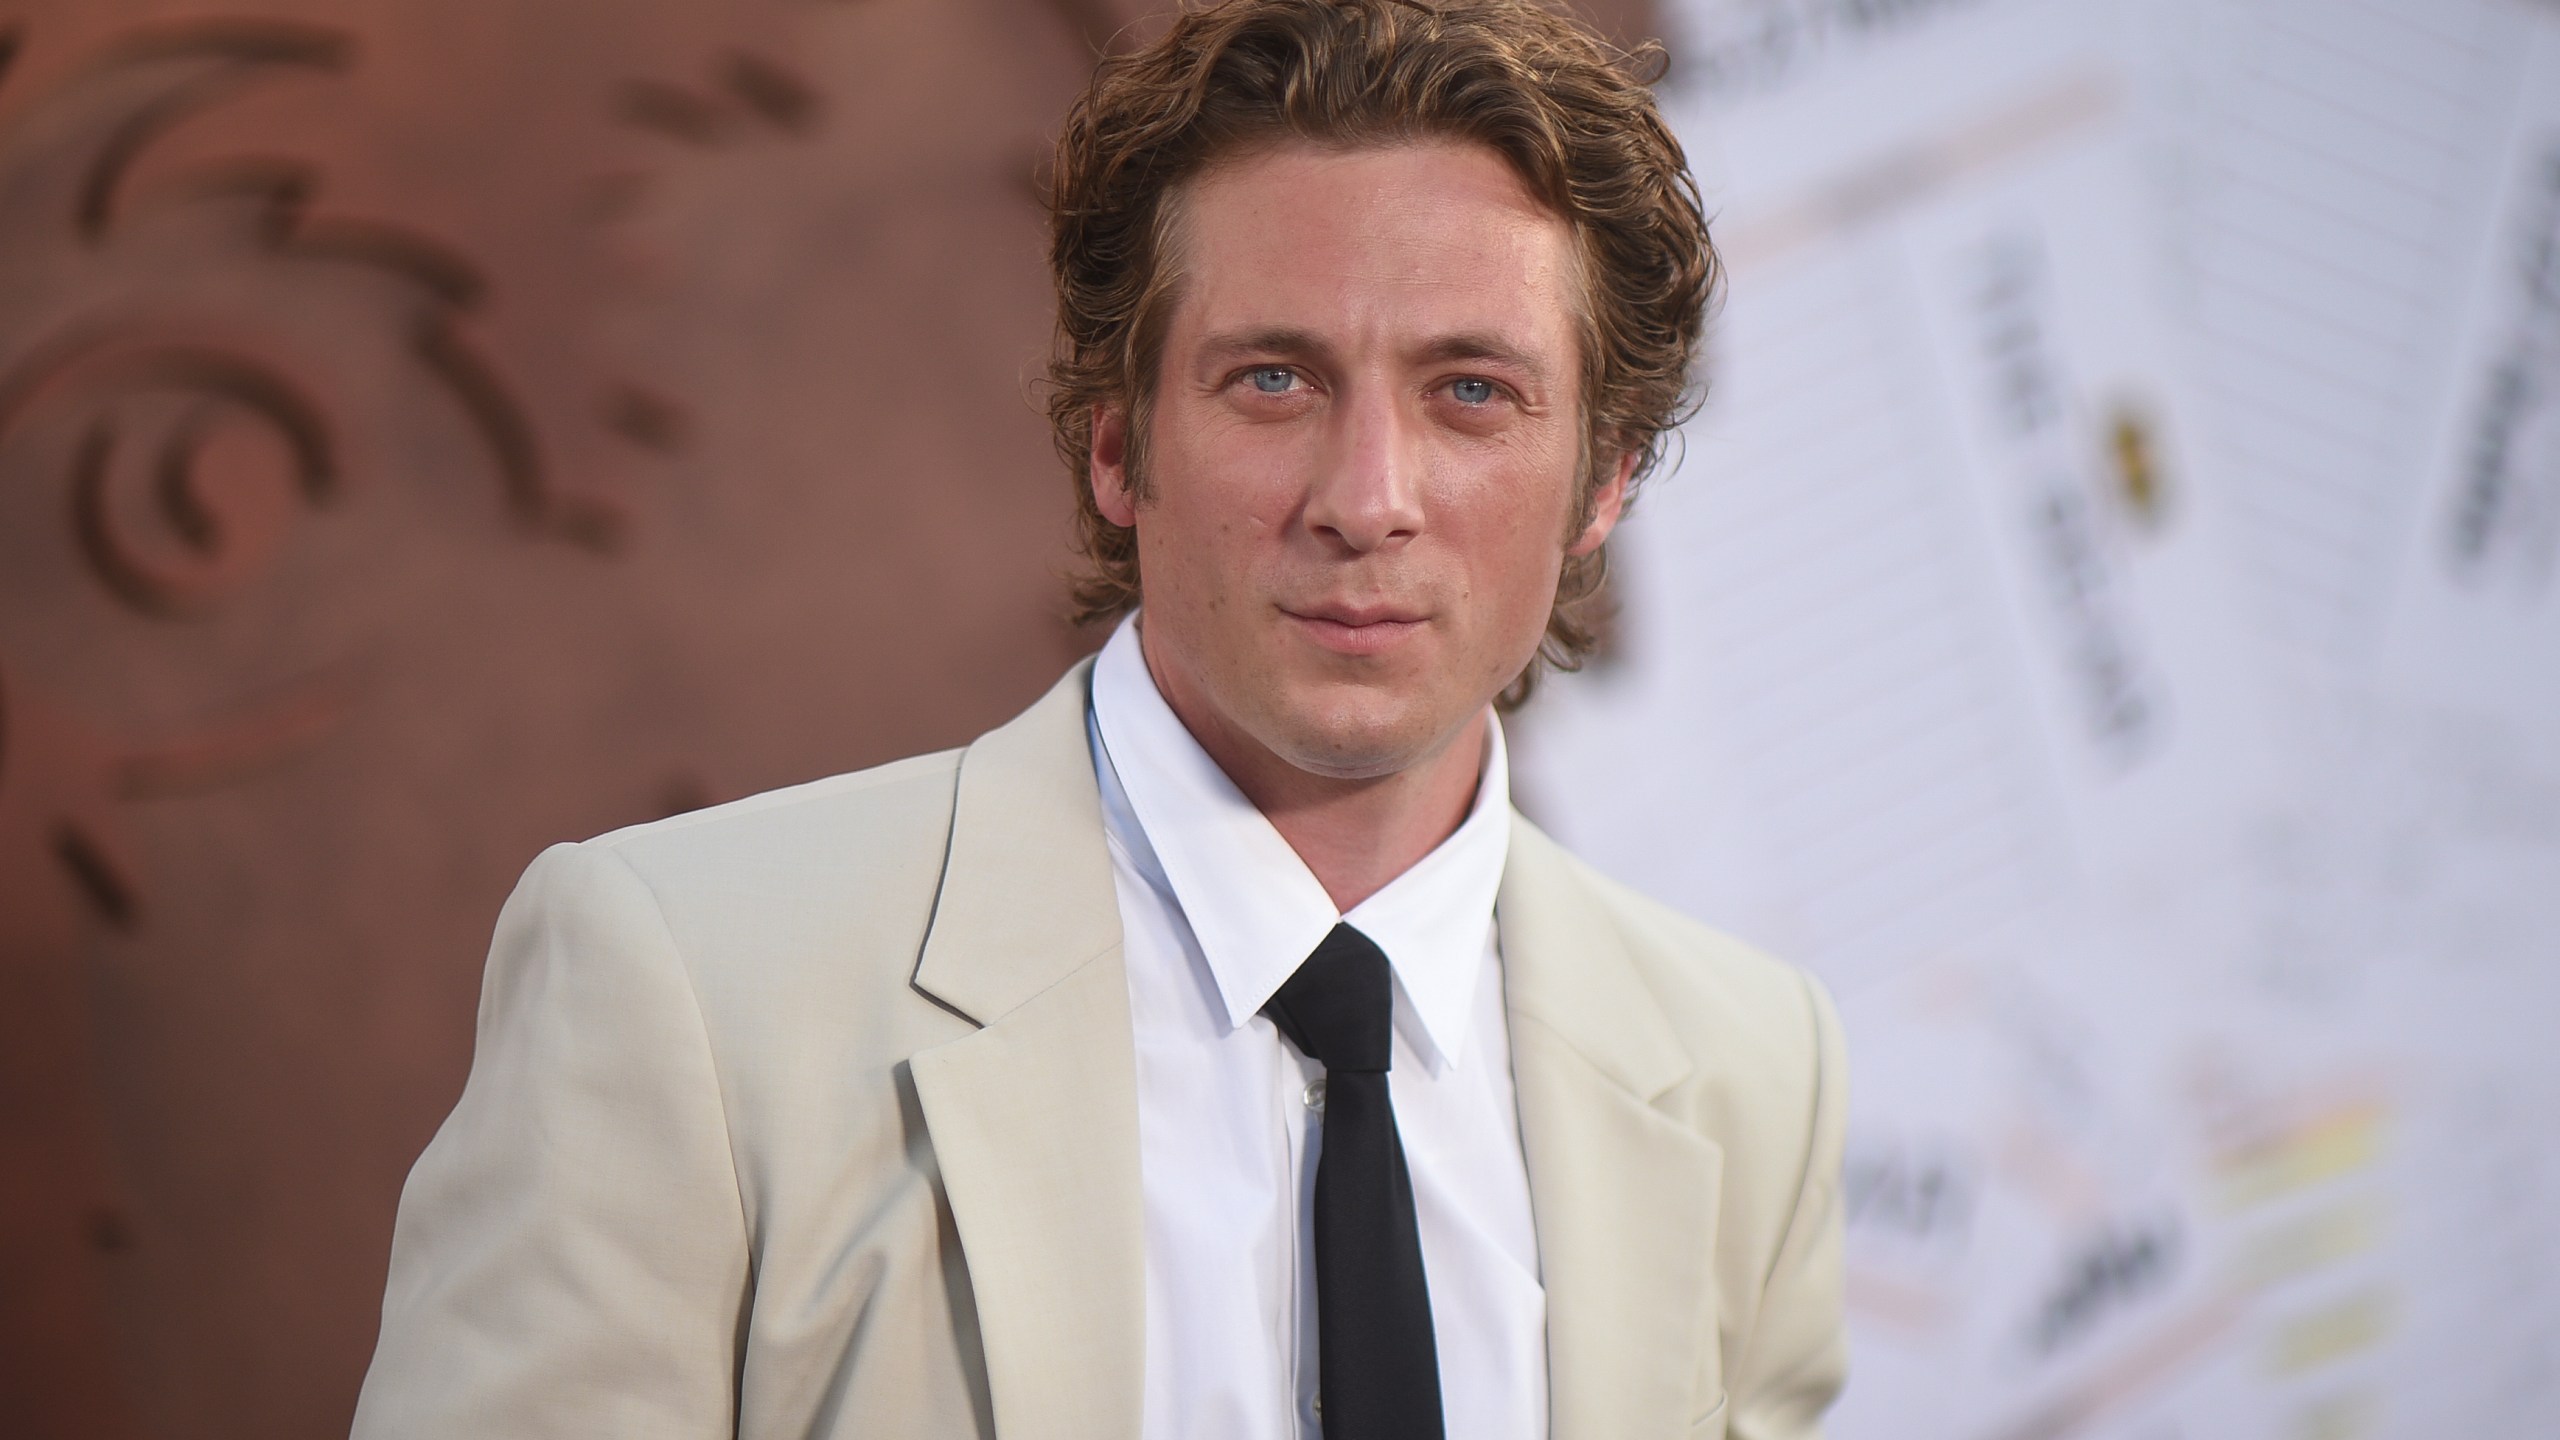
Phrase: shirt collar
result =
(1253, 905)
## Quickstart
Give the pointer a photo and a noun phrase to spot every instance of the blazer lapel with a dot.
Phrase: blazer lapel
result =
(1625, 1197)
(1034, 1117)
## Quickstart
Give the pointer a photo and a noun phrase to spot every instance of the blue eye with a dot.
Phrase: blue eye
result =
(1472, 392)
(1273, 379)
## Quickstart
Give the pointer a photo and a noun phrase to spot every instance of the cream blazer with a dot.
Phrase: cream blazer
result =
(816, 1115)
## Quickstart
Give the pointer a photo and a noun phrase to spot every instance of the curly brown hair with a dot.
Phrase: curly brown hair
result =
(1572, 115)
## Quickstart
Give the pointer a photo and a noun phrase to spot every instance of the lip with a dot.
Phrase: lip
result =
(1356, 629)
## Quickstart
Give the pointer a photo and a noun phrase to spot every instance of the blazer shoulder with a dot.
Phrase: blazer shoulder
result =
(1762, 1033)
(1692, 964)
(903, 806)
(845, 865)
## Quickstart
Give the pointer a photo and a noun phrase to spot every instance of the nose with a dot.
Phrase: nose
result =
(1367, 494)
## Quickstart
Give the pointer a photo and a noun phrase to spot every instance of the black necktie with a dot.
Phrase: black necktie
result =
(1379, 1373)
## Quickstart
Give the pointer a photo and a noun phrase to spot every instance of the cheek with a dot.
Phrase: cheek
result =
(1205, 537)
(1223, 493)
(1514, 527)
(1525, 591)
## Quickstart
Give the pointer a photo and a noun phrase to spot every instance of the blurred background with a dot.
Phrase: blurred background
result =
(2103, 622)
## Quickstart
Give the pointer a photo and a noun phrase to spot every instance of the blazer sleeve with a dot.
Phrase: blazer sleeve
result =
(571, 1255)
(1798, 1357)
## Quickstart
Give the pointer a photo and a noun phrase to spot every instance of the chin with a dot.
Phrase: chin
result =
(1363, 739)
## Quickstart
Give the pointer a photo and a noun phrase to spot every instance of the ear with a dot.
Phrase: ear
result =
(1606, 505)
(1108, 460)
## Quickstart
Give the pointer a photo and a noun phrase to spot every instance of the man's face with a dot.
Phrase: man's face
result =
(1365, 452)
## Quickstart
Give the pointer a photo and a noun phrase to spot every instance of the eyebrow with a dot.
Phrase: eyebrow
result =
(1483, 345)
(1270, 340)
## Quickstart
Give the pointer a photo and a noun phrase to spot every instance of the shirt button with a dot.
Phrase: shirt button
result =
(1315, 1096)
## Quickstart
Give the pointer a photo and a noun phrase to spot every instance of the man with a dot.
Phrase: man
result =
(1209, 1052)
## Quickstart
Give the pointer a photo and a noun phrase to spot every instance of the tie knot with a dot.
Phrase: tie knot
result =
(1338, 1007)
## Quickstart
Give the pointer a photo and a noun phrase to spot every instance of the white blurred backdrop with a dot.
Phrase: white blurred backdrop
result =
(2103, 622)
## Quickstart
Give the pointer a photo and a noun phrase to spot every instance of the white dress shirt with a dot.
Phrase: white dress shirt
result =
(1217, 911)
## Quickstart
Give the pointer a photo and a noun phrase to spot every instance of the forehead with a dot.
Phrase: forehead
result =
(1435, 235)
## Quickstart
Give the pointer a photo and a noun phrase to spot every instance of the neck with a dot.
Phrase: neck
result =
(1355, 835)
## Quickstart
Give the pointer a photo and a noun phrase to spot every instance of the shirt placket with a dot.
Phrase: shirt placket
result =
(1301, 1104)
